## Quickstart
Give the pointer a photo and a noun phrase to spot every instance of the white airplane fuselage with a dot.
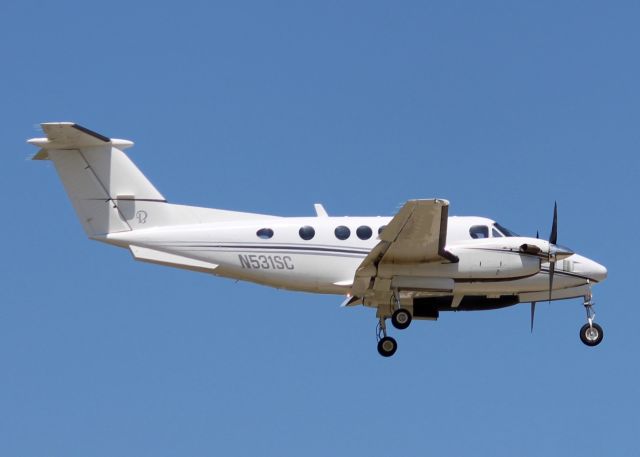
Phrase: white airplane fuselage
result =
(491, 266)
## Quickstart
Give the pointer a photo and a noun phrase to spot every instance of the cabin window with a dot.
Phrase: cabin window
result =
(364, 232)
(381, 229)
(307, 232)
(264, 233)
(342, 232)
(479, 231)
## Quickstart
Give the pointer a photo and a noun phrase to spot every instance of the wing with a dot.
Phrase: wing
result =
(417, 234)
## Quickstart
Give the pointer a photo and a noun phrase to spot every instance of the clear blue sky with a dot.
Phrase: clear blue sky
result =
(500, 107)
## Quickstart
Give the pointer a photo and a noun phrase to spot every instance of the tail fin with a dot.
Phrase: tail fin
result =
(96, 174)
(109, 193)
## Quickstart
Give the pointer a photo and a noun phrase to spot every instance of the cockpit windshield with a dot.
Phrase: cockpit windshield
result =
(503, 230)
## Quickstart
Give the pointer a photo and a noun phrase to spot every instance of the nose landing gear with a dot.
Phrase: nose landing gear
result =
(591, 333)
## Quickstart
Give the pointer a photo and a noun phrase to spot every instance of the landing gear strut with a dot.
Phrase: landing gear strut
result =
(387, 346)
(591, 333)
(401, 317)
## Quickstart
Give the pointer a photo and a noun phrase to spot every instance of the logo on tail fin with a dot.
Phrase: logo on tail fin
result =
(142, 216)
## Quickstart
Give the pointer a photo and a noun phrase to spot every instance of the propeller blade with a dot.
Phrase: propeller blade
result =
(533, 314)
(552, 270)
(553, 238)
(537, 234)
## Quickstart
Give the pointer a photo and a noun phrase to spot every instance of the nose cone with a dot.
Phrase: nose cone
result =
(598, 272)
(590, 269)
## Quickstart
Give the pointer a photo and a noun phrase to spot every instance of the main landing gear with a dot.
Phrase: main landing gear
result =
(401, 318)
(387, 346)
(591, 333)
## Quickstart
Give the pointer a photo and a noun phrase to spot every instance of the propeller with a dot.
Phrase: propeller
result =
(554, 254)
(553, 239)
(533, 314)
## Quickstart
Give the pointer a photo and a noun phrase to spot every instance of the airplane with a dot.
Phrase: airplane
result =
(414, 265)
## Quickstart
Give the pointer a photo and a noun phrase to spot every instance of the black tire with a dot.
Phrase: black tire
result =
(387, 346)
(591, 335)
(401, 318)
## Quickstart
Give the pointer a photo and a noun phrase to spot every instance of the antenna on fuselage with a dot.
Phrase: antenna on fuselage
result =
(320, 211)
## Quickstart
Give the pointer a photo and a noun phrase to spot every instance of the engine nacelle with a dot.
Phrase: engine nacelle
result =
(484, 263)
(480, 263)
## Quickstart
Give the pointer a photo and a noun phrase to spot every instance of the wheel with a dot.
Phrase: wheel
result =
(387, 346)
(591, 335)
(401, 318)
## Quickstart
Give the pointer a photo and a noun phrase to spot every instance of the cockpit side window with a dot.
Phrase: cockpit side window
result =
(495, 233)
(505, 231)
(479, 231)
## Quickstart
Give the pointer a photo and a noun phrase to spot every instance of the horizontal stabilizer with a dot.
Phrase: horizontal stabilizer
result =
(172, 260)
(68, 135)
